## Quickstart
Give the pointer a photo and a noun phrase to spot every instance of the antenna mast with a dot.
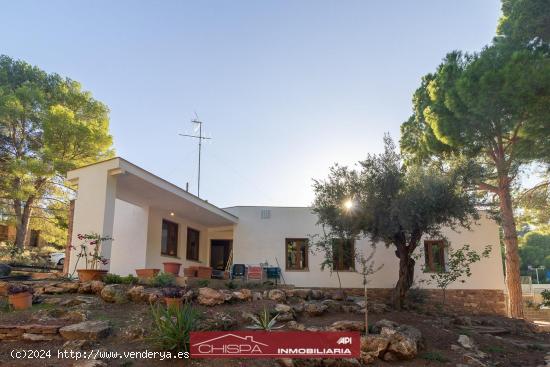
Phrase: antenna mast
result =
(201, 138)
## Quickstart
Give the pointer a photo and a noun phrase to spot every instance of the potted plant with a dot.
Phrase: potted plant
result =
(20, 296)
(90, 251)
(190, 272)
(147, 273)
(204, 272)
(171, 267)
(173, 296)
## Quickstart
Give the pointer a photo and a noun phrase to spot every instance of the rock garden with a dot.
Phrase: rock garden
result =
(122, 314)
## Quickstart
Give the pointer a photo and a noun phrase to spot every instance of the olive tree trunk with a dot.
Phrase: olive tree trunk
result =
(406, 276)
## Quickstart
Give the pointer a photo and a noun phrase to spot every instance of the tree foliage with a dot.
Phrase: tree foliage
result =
(535, 251)
(457, 267)
(392, 204)
(48, 125)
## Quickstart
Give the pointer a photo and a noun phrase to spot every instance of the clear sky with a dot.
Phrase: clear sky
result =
(285, 88)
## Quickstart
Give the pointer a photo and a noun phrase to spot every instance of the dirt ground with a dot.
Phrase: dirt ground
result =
(518, 348)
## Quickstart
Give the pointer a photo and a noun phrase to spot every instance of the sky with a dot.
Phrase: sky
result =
(285, 88)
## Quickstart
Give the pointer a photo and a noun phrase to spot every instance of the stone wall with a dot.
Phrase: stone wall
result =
(465, 301)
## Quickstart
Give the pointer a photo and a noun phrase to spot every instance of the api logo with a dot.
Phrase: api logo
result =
(344, 340)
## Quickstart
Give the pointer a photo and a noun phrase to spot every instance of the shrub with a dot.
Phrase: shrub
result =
(203, 283)
(173, 292)
(264, 321)
(163, 280)
(130, 279)
(112, 279)
(231, 285)
(18, 288)
(172, 326)
(545, 297)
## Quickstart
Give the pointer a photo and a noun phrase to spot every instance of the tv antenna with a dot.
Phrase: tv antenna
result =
(200, 137)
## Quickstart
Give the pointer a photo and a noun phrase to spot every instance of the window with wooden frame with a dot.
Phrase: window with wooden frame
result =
(296, 250)
(169, 241)
(193, 238)
(343, 254)
(34, 238)
(434, 252)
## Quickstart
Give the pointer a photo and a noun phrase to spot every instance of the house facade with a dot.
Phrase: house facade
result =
(153, 221)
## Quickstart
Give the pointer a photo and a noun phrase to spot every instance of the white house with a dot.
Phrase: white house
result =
(153, 221)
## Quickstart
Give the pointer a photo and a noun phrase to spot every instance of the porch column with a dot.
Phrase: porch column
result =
(94, 210)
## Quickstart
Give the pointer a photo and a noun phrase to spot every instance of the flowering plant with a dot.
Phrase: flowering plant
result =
(90, 250)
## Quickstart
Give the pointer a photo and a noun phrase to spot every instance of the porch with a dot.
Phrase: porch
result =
(151, 220)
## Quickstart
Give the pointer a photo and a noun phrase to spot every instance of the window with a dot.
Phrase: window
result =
(169, 243)
(296, 253)
(192, 244)
(434, 252)
(343, 253)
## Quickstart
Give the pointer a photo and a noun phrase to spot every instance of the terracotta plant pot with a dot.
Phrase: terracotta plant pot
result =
(86, 275)
(172, 302)
(147, 273)
(173, 268)
(204, 272)
(190, 272)
(20, 301)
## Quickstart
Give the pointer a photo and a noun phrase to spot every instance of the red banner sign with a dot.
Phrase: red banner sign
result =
(276, 344)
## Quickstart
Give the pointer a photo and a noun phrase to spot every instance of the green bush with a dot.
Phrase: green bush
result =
(112, 279)
(163, 280)
(172, 326)
(203, 283)
(117, 279)
(231, 285)
(545, 297)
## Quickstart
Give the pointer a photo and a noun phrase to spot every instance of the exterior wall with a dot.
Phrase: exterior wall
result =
(259, 240)
(94, 207)
(154, 256)
(128, 251)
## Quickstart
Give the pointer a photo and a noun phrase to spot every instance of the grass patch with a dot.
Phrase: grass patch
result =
(434, 356)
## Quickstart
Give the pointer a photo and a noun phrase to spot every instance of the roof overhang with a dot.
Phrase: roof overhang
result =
(140, 187)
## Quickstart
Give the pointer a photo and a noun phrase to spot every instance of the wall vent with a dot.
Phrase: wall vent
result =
(265, 214)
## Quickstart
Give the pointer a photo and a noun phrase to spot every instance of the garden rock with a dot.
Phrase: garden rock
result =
(277, 295)
(210, 297)
(113, 293)
(462, 320)
(315, 308)
(53, 290)
(218, 321)
(282, 308)
(69, 287)
(302, 293)
(298, 307)
(377, 327)
(378, 308)
(242, 295)
(37, 337)
(405, 341)
(347, 325)
(465, 341)
(373, 346)
(317, 294)
(257, 296)
(285, 362)
(97, 286)
(5, 270)
(75, 344)
(332, 305)
(137, 294)
(293, 325)
(87, 330)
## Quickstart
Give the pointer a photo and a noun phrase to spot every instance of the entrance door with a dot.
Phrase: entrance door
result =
(219, 253)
